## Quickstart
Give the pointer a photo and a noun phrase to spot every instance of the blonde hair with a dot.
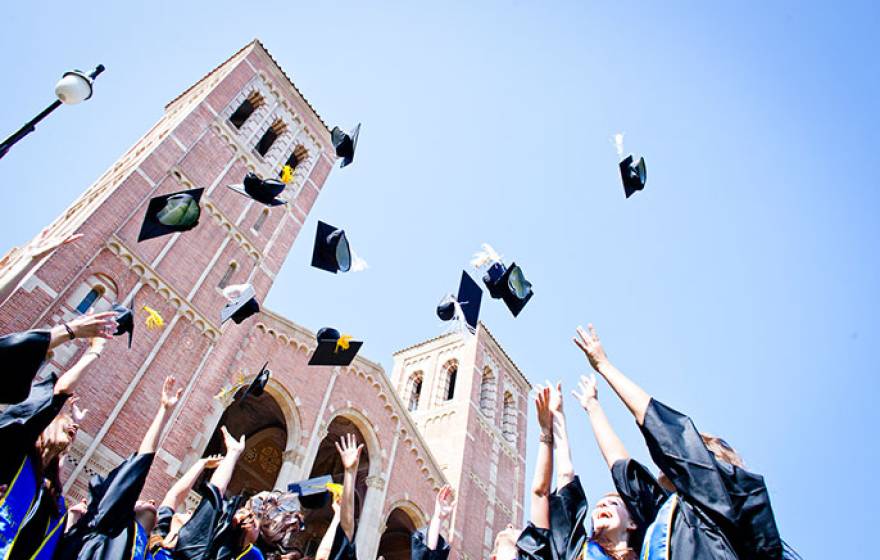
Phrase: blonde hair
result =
(722, 450)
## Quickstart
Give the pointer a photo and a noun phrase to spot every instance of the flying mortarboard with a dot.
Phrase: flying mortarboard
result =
(345, 143)
(507, 283)
(264, 191)
(313, 493)
(332, 251)
(334, 349)
(258, 385)
(634, 175)
(242, 303)
(171, 213)
(124, 321)
(466, 304)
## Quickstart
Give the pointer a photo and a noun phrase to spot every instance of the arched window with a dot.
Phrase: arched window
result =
(272, 133)
(227, 276)
(261, 219)
(487, 392)
(253, 102)
(508, 419)
(90, 298)
(299, 155)
(447, 389)
(414, 391)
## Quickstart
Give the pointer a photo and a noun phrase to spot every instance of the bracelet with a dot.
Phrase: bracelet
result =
(546, 437)
(70, 332)
(96, 354)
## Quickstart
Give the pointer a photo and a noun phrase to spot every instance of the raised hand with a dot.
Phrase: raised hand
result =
(555, 402)
(542, 407)
(444, 502)
(45, 243)
(349, 451)
(232, 445)
(212, 461)
(169, 395)
(94, 325)
(77, 413)
(590, 344)
(589, 392)
(96, 346)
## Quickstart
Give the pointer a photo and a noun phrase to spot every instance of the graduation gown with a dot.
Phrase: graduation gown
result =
(342, 548)
(718, 510)
(21, 354)
(535, 544)
(420, 550)
(198, 537)
(108, 530)
(569, 517)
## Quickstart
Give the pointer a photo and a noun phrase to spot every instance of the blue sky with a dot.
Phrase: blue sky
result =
(739, 287)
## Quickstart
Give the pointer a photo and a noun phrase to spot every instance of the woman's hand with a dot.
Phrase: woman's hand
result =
(542, 407)
(349, 451)
(169, 396)
(589, 395)
(233, 446)
(444, 502)
(92, 325)
(46, 244)
(555, 402)
(212, 462)
(591, 346)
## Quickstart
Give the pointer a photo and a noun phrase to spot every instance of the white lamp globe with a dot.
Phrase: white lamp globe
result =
(75, 87)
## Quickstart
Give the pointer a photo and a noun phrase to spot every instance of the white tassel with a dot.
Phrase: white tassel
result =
(233, 291)
(357, 264)
(618, 144)
(486, 256)
(458, 323)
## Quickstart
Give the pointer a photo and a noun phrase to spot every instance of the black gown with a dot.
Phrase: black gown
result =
(722, 512)
(420, 550)
(107, 530)
(21, 354)
(343, 548)
(535, 543)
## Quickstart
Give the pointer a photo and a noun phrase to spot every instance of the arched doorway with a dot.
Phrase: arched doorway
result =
(395, 543)
(261, 421)
(327, 462)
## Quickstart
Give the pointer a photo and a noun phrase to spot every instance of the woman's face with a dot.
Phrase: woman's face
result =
(610, 514)
(505, 543)
(60, 433)
(249, 525)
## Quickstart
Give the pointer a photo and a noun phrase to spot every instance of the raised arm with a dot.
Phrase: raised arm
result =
(68, 380)
(234, 449)
(176, 496)
(609, 444)
(350, 453)
(90, 325)
(30, 257)
(562, 449)
(540, 500)
(326, 546)
(633, 396)
(169, 400)
(443, 505)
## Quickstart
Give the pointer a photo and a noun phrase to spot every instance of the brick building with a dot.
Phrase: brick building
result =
(454, 408)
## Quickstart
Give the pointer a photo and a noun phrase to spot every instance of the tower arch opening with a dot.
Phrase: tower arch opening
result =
(395, 542)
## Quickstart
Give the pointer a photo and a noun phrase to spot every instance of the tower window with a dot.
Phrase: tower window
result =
(297, 156)
(261, 219)
(90, 298)
(272, 133)
(253, 102)
(450, 372)
(508, 419)
(415, 391)
(487, 392)
(227, 276)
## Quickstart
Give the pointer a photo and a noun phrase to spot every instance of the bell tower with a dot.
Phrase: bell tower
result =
(468, 400)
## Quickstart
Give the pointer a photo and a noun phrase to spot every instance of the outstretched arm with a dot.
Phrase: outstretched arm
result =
(234, 449)
(350, 453)
(68, 380)
(90, 325)
(610, 445)
(176, 496)
(169, 400)
(326, 546)
(443, 505)
(562, 449)
(633, 396)
(540, 506)
(30, 257)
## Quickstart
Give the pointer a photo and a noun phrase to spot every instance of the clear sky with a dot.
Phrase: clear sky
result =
(739, 287)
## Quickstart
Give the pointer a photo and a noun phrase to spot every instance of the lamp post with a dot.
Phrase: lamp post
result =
(74, 87)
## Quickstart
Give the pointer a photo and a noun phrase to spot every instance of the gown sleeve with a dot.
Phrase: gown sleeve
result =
(420, 550)
(736, 497)
(111, 508)
(164, 515)
(342, 549)
(568, 510)
(199, 533)
(640, 492)
(535, 544)
(21, 354)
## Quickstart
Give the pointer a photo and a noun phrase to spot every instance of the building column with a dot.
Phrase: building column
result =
(371, 519)
(290, 469)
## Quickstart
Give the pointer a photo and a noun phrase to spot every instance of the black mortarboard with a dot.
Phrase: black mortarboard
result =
(511, 286)
(345, 143)
(313, 493)
(265, 191)
(124, 321)
(241, 306)
(331, 350)
(331, 252)
(255, 389)
(634, 174)
(171, 213)
(469, 297)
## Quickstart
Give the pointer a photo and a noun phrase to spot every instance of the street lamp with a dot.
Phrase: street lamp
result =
(74, 87)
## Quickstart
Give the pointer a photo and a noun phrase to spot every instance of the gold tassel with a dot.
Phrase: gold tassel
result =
(336, 490)
(286, 174)
(154, 320)
(343, 342)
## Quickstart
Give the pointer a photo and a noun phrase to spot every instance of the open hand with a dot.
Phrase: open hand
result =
(232, 445)
(444, 502)
(212, 461)
(589, 392)
(590, 344)
(349, 451)
(542, 407)
(555, 402)
(46, 243)
(78, 414)
(169, 396)
(94, 325)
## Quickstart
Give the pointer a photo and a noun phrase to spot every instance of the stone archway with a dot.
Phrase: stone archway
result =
(395, 543)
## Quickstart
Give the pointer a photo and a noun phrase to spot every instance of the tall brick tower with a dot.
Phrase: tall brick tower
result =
(244, 115)
(468, 400)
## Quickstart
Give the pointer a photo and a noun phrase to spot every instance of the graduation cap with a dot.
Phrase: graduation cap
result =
(345, 143)
(264, 191)
(124, 321)
(334, 349)
(258, 385)
(466, 304)
(242, 303)
(634, 174)
(313, 493)
(332, 251)
(171, 213)
(507, 283)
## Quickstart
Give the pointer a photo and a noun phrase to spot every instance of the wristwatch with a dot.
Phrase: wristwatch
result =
(70, 332)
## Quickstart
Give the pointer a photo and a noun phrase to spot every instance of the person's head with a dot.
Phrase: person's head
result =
(248, 524)
(505, 543)
(145, 514)
(613, 527)
(57, 437)
(280, 517)
(719, 448)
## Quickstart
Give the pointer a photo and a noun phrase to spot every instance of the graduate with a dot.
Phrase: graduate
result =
(705, 503)
(338, 540)
(35, 434)
(613, 533)
(428, 543)
(23, 353)
(18, 263)
(109, 529)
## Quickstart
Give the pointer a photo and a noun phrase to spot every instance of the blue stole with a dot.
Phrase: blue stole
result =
(250, 553)
(54, 532)
(656, 544)
(15, 505)
(592, 551)
(139, 542)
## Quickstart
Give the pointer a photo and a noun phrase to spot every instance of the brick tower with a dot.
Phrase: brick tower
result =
(468, 400)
